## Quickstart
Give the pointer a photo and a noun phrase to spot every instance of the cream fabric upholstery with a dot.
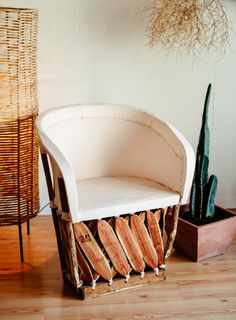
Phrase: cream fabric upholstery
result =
(106, 196)
(116, 159)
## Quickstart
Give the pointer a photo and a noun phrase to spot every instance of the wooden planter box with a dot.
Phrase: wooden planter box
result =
(206, 241)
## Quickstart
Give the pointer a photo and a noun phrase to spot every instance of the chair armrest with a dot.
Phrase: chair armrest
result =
(177, 159)
(62, 169)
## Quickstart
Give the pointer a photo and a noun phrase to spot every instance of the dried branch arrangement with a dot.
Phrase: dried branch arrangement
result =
(186, 26)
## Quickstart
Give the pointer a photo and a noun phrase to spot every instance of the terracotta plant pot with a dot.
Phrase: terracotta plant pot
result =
(206, 241)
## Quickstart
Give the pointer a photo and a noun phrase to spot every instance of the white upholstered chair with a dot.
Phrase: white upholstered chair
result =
(113, 174)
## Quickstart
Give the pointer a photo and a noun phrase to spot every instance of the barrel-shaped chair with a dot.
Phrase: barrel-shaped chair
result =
(115, 175)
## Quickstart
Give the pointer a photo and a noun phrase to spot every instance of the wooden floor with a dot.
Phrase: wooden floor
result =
(35, 290)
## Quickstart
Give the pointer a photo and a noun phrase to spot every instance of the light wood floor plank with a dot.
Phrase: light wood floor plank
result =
(35, 290)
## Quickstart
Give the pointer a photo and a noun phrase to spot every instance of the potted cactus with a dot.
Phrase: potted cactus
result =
(204, 230)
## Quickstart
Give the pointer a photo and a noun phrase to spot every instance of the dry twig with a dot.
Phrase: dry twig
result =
(188, 26)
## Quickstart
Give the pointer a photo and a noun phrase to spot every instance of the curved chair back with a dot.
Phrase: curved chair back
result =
(111, 140)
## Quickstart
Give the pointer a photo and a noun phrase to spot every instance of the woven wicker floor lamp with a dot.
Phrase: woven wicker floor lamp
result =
(19, 197)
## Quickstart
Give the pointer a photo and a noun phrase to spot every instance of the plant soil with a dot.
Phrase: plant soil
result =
(186, 215)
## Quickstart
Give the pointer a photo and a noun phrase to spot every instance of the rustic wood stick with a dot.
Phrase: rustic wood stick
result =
(171, 235)
(73, 254)
(67, 274)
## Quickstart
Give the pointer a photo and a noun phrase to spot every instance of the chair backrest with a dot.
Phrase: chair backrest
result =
(113, 140)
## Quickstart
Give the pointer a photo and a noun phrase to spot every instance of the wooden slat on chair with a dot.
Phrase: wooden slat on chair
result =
(92, 251)
(155, 233)
(142, 237)
(129, 244)
(113, 248)
(86, 272)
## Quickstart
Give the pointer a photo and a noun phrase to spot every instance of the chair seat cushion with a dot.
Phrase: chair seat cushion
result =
(112, 196)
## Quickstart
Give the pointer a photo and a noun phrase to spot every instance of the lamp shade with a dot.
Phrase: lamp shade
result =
(19, 196)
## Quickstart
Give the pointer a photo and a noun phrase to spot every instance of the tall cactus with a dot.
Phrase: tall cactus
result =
(202, 198)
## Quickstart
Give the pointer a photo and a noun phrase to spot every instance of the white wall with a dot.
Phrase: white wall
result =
(94, 51)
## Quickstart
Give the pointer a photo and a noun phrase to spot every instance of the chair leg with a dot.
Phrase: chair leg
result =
(68, 254)
(171, 235)
(80, 293)
(72, 253)
(59, 241)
